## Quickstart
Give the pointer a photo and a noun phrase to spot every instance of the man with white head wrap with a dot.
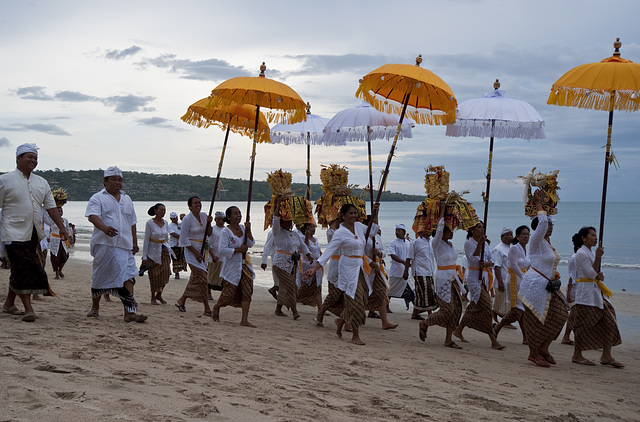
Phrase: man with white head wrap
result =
(22, 196)
(113, 245)
(175, 229)
(501, 255)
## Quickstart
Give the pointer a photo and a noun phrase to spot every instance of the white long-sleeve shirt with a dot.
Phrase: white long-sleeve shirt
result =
(517, 260)
(232, 267)
(474, 262)
(155, 237)
(286, 242)
(587, 293)
(192, 234)
(422, 259)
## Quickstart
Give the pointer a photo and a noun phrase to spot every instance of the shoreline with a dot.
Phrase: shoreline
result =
(185, 367)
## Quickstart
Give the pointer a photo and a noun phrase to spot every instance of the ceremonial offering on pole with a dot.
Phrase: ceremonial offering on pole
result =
(459, 213)
(60, 196)
(292, 208)
(337, 192)
(548, 184)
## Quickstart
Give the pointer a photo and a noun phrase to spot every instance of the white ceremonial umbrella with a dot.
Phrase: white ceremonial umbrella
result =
(364, 123)
(496, 116)
(308, 132)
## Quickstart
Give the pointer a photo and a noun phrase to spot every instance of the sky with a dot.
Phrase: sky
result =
(97, 84)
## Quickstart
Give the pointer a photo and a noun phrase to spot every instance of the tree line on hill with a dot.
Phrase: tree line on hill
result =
(81, 184)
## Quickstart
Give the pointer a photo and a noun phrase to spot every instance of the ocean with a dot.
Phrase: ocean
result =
(621, 261)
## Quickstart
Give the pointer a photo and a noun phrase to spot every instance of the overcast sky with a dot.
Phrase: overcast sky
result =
(96, 84)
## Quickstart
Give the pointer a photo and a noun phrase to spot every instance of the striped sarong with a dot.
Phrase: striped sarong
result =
(595, 328)
(514, 315)
(213, 275)
(232, 295)
(448, 316)
(425, 299)
(196, 288)
(159, 273)
(308, 291)
(179, 263)
(500, 305)
(378, 297)
(333, 302)
(354, 309)
(478, 315)
(538, 332)
(287, 290)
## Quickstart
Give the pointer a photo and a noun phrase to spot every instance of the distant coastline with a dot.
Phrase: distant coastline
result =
(81, 184)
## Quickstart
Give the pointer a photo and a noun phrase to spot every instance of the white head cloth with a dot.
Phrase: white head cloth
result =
(24, 148)
(219, 214)
(113, 171)
(173, 215)
(401, 226)
(505, 230)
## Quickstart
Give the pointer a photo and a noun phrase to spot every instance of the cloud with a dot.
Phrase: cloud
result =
(159, 122)
(120, 103)
(323, 64)
(121, 54)
(37, 127)
(202, 70)
(4, 142)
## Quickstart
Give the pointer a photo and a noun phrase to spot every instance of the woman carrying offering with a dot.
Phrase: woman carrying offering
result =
(237, 275)
(156, 253)
(594, 319)
(545, 310)
(519, 263)
(286, 260)
(479, 314)
(354, 267)
(447, 287)
(194, 226)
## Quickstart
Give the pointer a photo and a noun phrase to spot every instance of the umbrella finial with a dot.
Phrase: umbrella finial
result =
(418, 59)
(617, 46)
(263, 67)
(308, 108)
(496, 84)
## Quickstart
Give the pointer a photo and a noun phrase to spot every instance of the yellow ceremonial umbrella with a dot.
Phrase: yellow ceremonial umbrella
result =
(239, 119)
(407, 90)
(610, 84)
(283, 103)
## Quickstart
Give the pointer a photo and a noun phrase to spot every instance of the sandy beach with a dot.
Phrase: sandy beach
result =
(186, 367)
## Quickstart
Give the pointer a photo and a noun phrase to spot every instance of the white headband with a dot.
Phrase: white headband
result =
(24, 148)
(113, 171)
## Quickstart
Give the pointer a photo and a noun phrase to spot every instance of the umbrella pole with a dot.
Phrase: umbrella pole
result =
(607, 158)
(486, 199)
(215, 186)
(370, 170)
(308, 166)
(374, 213)
(253, 162)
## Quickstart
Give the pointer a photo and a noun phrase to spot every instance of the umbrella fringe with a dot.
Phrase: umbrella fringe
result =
(292, 138)
(354, 135)
(596, 99)
(289, 111)
(482, 129)
(193, 118)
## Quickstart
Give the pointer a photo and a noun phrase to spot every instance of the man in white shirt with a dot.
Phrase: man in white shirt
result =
(397, 251)
(268, 251)
(420, 258)
(22, 196)
(178, 261)
(215, 265)
(501, 255)
(114, 243)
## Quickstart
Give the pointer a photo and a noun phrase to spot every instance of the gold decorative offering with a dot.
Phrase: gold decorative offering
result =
(548, 185)
(292, 208)
(337, 192)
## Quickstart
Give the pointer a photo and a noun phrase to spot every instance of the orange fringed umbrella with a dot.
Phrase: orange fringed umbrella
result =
(235, 118)
(608, 85)
(407, 90)
(283, 103)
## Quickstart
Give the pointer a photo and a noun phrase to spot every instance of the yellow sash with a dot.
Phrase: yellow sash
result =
(486, 270)
(382, 270)
(365, 263)
(513, 285)
(158, 241)
(456, 268)
(289, 253)
(604, 289)
(335, 257)
(196, 240)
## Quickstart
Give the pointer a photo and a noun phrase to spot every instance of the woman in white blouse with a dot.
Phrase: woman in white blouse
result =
(194, 226)
(156, 253)
(448, 287)
(237, 274)
(310, 290)
(354, 266)
(285, 261)
(545, 310)
(518, 264)
(594, 319)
